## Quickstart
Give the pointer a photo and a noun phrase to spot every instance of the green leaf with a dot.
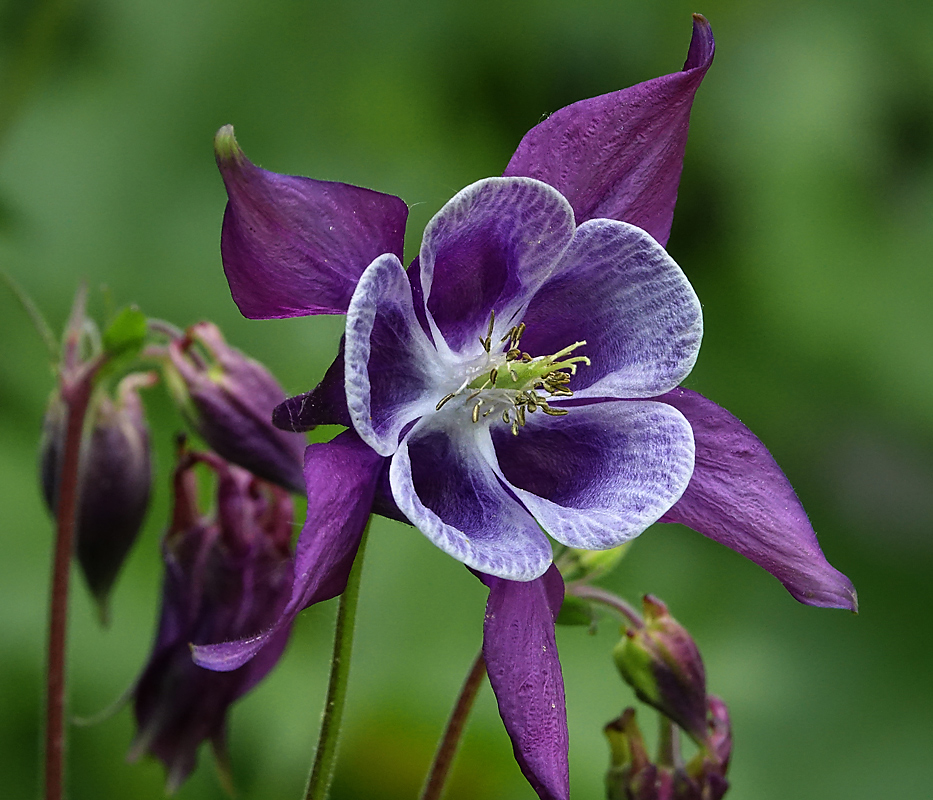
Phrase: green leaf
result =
(126, 334)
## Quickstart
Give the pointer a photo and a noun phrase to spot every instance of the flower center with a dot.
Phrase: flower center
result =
(512, 383)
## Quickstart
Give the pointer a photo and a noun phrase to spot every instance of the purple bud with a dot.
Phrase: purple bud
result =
(661, 662)
(227, 576)
(228, 398)
(114, 480)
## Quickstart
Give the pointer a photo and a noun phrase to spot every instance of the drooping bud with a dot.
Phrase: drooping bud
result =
(227, 576)
(114, 479)
(633, 776)
(228, 398)
(661, 662)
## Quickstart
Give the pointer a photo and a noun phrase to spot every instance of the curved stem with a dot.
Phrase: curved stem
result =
(65, 513)
(447, 749)
(322, 773)
(608, 599)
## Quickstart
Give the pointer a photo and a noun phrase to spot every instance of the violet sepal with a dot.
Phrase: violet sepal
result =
(739, 497)
(293, 246)
(520, 650)
(619, 156)
(341, 478)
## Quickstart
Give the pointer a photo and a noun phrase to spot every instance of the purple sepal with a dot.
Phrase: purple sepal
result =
(293, 246)
(524, 670)
(226, 576)
(619, 156)
(739, 497)
(341, 478)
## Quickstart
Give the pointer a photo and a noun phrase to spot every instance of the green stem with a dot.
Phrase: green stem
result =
(596, 595)
(447, 749)
(322, 773)
(668, 743)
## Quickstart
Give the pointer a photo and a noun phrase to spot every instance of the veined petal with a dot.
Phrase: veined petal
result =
(601, 474)
(391, 368)
(524, 669)
(618, 290)
(489, 249)
(341, 478)
(619, 156)
(740, 497)
(443, 483)
(293, 246)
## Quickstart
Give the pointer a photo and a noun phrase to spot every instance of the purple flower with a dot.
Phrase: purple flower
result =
(226, 577)
(523, 371)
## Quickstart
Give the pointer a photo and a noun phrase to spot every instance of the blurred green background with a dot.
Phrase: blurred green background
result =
(804, 221)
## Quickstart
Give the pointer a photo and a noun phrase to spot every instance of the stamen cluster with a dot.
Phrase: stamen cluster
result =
(515, 379)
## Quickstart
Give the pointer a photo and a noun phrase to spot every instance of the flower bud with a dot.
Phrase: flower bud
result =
(227, 576)
(661, 662)
(114, 479)
(228, 399)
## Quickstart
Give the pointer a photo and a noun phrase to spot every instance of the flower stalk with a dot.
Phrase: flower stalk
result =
(325, 759)
(450, 742)
(76, 398)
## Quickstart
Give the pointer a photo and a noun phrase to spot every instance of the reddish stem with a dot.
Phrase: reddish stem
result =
(447, 749)
(76, 397)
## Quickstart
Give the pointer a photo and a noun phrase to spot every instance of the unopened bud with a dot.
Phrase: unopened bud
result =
(228, 398)
(661, 662)
(114, 479)
(589, 565)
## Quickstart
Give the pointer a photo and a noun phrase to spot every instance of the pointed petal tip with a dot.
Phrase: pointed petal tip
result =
(226, 148)
(702, 45)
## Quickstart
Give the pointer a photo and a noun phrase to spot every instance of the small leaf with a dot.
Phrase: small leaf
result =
(126, 334)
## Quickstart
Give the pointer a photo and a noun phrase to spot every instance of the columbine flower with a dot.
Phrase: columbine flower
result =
(607, 317)
(226, 576)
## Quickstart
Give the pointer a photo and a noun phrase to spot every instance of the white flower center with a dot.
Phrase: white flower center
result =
(511, 384)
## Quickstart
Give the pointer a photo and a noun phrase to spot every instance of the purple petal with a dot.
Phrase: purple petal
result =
(293, 246)
(739, 497)
(619, 156)
(490, 248)
(617, 289)
(341, 478)
(326, 404)
(524, 669)
(443, 482)
(391, 373)
(603, 473)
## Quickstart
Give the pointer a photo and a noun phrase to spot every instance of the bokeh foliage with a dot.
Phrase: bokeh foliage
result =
(804, 222)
